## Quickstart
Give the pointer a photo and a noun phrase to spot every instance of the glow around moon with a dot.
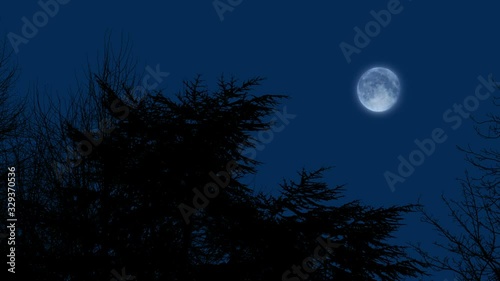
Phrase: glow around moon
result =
(378, 89)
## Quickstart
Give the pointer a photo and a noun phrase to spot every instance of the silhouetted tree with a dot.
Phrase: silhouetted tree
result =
(136, 192)
(272, 244)
(475, 249)
(11, 129)
(11, 110)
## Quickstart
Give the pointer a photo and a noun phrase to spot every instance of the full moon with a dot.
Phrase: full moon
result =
(378, 89)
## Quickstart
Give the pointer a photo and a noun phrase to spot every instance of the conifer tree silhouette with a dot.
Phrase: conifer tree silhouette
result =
(115, 203)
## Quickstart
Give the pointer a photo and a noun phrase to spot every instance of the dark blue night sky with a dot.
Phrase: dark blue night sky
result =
(437, 49)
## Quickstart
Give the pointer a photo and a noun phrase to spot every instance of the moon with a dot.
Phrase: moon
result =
(378, 89)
